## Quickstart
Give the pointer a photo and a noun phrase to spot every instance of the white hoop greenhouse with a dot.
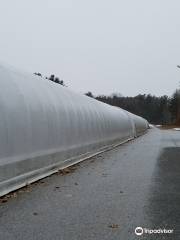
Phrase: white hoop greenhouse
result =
(45, 126)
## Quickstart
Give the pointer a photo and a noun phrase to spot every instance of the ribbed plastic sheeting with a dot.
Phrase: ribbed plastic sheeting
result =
(44, 127)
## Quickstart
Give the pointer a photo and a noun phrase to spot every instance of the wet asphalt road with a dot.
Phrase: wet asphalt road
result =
(106, 197)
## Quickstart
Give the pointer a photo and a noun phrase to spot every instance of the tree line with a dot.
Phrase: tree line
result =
(52, 78)
(157, 110)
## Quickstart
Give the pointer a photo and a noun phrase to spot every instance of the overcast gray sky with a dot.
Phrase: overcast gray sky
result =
(103, 46)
